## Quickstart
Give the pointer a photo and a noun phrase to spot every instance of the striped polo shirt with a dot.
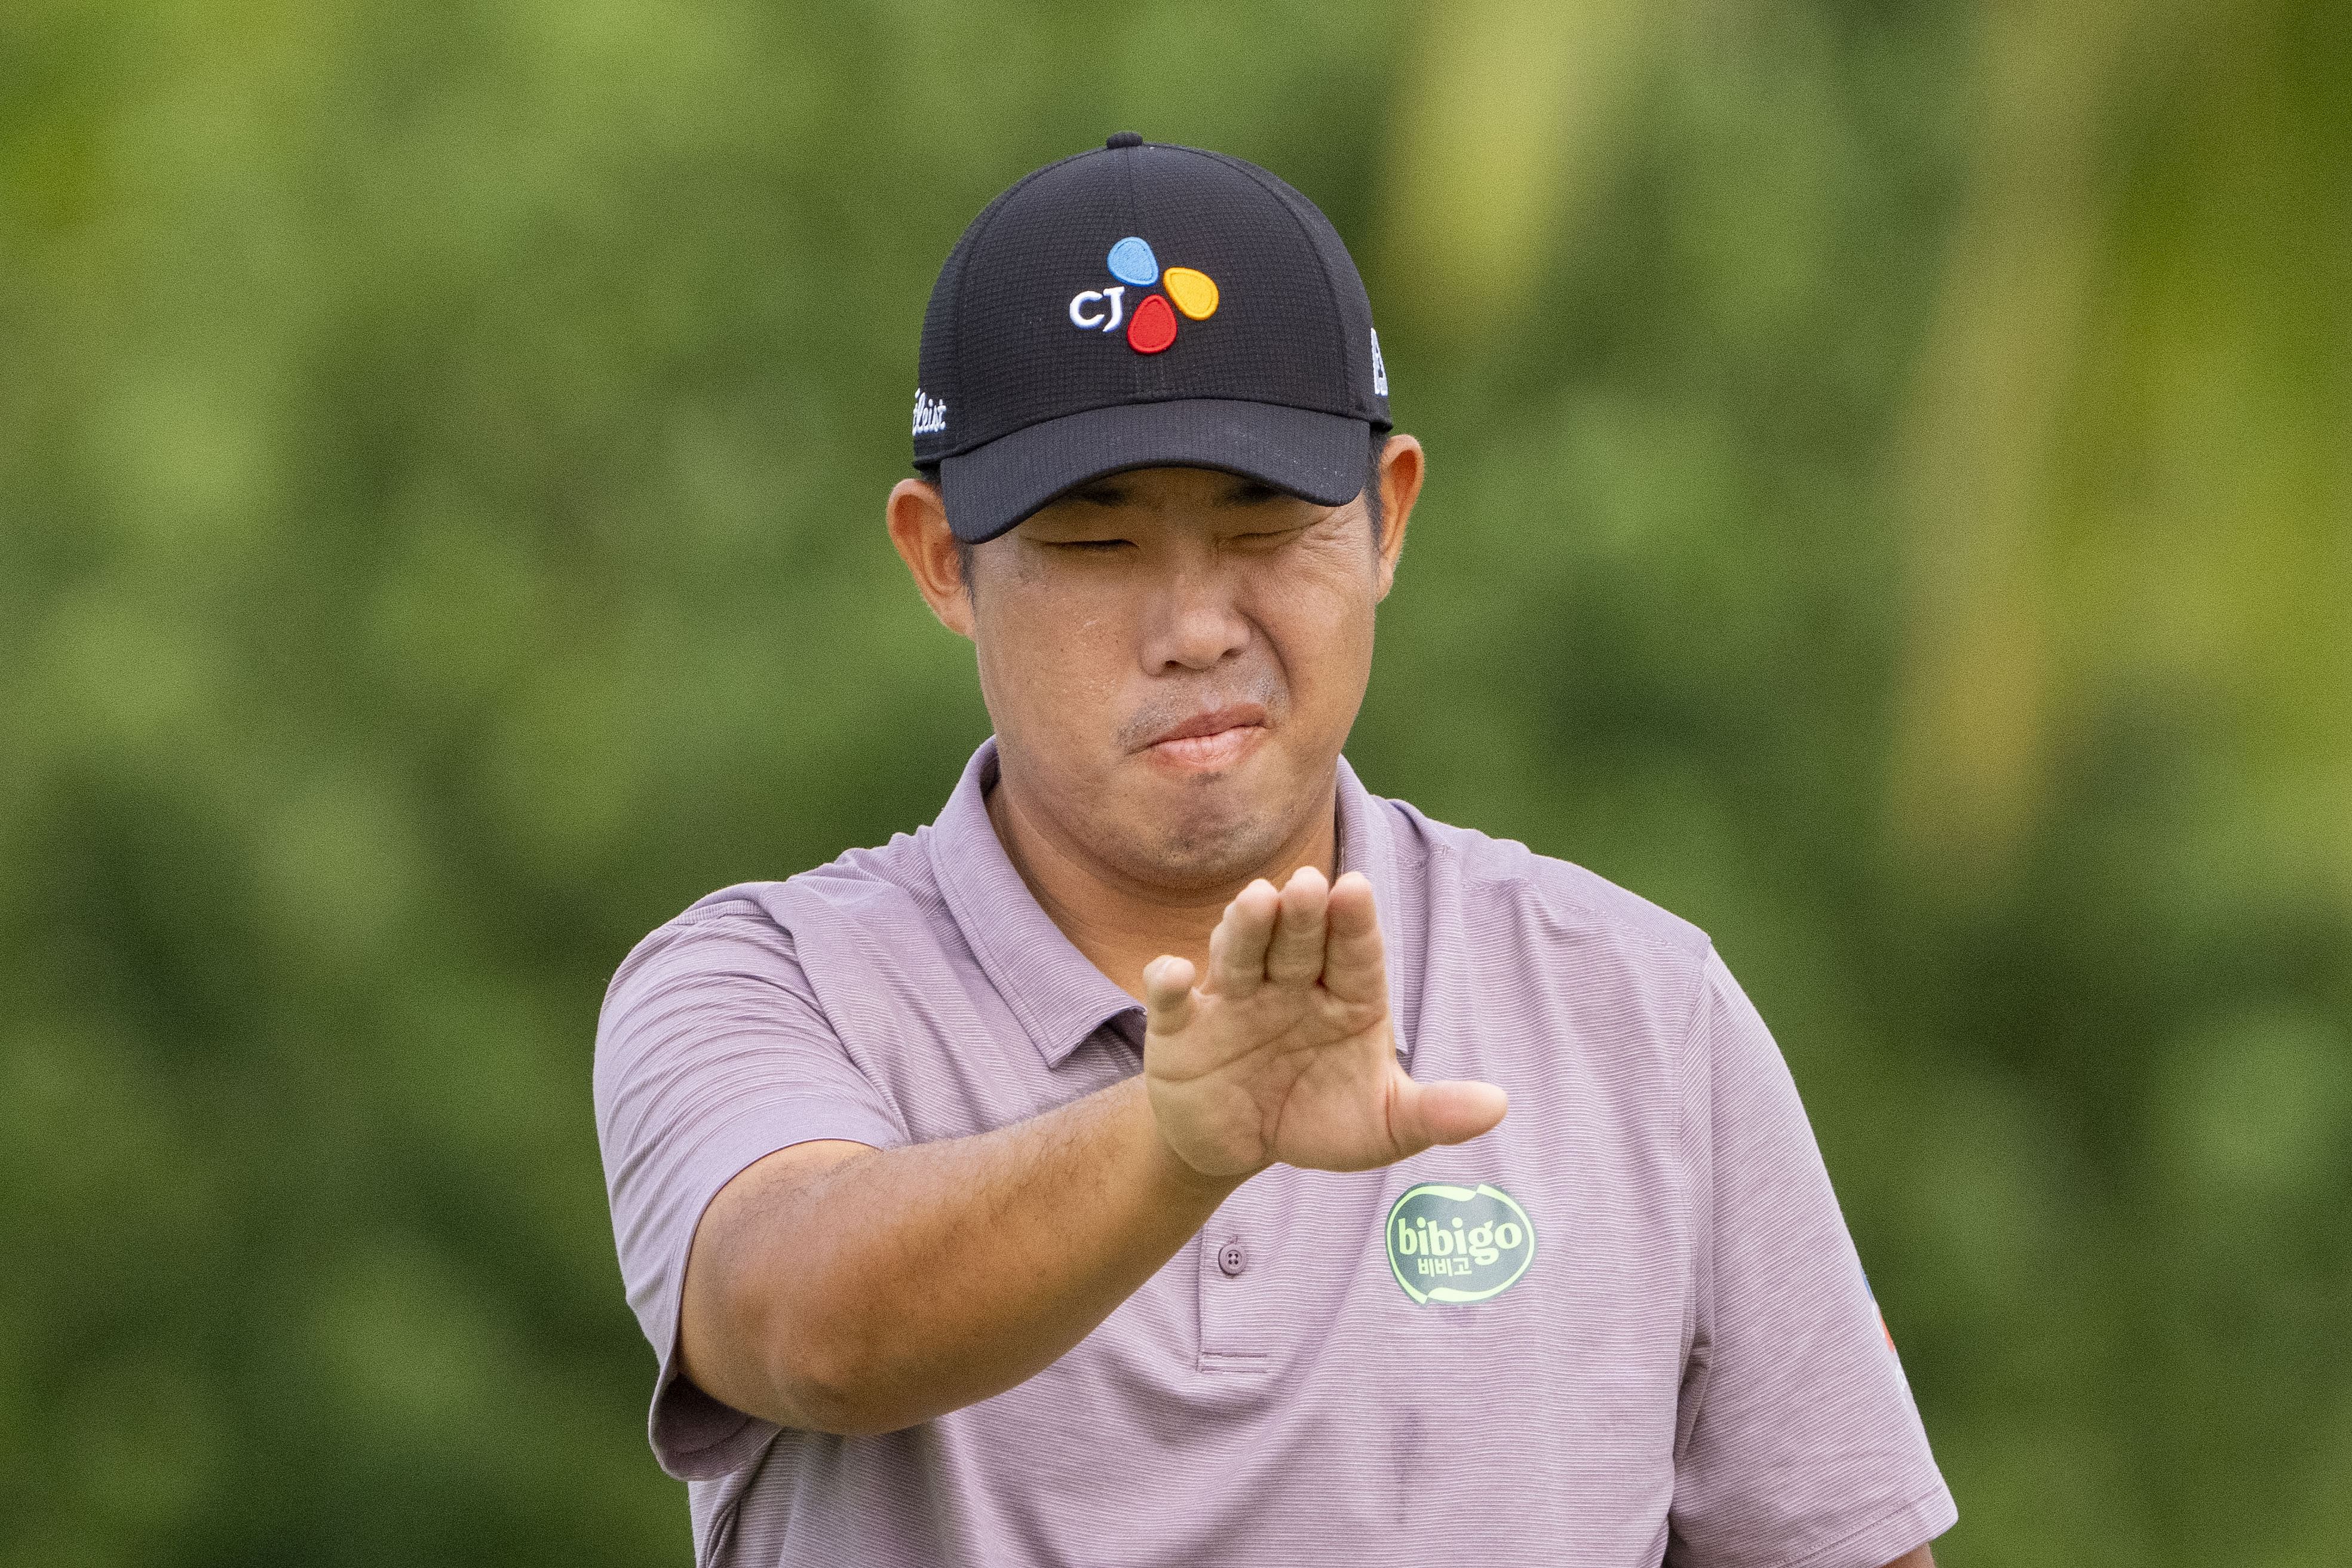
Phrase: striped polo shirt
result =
(1626, 1327)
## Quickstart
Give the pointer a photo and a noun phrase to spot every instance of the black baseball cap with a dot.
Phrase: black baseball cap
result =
(1142, 305)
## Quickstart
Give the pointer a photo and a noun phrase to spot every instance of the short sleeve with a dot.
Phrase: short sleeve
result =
(1798, 1442)
(712, 1052)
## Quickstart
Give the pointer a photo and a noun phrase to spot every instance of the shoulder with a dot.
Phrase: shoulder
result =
(1538, 937)
(763, 928)
(1569, 899)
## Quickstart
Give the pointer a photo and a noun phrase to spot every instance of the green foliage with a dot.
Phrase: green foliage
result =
(1888, 505)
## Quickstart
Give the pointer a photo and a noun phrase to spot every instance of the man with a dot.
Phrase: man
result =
(1117, 1169)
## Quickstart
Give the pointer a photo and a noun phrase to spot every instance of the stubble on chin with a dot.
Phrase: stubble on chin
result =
(1192, 859)
(1201, 845)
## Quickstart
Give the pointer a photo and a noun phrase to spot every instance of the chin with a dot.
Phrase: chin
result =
(1207, 848)
(1199, 867)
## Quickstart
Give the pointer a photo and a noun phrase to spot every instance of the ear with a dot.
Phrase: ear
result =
(1402, 462)
(919, 530)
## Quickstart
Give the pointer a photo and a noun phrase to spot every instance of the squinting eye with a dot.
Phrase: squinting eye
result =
(1090, 544)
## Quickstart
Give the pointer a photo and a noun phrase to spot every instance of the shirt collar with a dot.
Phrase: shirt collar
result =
(1054, 990)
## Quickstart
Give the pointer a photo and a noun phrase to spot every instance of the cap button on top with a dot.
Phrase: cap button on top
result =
(1125, 139)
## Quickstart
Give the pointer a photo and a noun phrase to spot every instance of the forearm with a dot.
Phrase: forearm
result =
(901, 1284)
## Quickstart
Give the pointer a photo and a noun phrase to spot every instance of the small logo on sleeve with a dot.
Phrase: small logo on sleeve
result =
(1458, 1243)
(1150, 321)
(1880, 1314)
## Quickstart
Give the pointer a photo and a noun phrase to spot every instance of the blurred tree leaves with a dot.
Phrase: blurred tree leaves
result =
(1888, 505)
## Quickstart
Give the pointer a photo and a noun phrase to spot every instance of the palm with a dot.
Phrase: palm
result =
(1283, 1052)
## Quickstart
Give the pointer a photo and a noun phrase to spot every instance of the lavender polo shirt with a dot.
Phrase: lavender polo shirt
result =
(1627, 1327)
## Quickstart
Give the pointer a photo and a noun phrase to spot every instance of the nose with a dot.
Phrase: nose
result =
(1194, 621)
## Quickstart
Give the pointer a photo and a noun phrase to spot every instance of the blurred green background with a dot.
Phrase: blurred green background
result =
(1891, 467)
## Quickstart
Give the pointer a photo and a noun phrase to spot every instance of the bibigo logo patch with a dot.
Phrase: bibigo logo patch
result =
(1151, 323)
(1458, 1243)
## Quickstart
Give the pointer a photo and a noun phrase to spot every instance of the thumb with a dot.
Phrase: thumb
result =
(1451, 1112)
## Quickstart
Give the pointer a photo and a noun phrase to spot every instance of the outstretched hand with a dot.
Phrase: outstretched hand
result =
(1284, 1050)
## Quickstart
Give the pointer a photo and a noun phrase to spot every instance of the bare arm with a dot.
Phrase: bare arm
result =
(839, 1288)
(1917, 1557)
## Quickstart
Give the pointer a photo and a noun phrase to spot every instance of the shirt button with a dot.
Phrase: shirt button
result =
(1231, 1259)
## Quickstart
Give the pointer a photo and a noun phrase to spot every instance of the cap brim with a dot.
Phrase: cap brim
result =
(1321, 456)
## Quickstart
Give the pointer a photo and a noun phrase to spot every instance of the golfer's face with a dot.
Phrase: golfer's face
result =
(1172, 658)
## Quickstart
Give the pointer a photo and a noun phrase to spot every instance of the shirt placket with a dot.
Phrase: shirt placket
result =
(1236, 1271)
(1235, 1255)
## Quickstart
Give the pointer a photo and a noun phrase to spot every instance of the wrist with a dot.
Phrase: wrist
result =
(1171, 1171)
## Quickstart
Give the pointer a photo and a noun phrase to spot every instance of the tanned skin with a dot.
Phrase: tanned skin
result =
(1172, 659)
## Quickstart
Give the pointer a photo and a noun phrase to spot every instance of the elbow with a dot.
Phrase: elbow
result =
(827, 1382)
(844, 1415)
(839, 1407)
(814, 1400)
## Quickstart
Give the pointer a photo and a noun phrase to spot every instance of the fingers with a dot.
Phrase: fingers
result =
(1237, 946)
(1309, 930)
(1353, 968)
(1294, 955)
(1168, 994)
(1451, 1112)
(1267, 935)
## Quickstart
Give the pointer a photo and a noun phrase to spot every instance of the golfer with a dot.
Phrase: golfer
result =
(1175, 1153)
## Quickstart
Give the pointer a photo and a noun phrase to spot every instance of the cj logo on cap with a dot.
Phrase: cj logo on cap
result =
(1152, 325)
(1452, 1243)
